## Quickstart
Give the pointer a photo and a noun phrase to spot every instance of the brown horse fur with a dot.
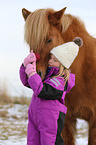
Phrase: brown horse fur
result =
(46, 28)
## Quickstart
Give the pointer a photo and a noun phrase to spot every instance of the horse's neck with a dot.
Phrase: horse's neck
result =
(72, 27)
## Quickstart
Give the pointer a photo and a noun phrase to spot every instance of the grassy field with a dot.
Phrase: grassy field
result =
(13, 116)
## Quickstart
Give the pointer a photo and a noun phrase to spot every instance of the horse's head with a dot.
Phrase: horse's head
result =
(43, 32)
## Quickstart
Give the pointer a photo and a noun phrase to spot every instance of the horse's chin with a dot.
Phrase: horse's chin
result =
(42, 75)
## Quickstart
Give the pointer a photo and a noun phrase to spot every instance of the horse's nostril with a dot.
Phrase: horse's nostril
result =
(39, 73)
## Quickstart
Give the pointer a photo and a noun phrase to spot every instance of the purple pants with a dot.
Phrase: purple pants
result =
(43, 128)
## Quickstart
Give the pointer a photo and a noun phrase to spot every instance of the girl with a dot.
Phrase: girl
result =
(47, 111)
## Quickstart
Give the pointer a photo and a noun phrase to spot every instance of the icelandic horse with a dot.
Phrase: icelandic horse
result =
(47, 28)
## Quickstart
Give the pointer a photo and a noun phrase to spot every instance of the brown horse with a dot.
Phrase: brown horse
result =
(46, 28)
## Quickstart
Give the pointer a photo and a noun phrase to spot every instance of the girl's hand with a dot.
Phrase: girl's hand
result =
(29, 59)
(31, 69)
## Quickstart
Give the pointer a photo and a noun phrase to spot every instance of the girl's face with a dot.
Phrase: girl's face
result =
(53, 61)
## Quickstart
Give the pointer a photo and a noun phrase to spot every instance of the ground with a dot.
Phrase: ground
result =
(13, 126)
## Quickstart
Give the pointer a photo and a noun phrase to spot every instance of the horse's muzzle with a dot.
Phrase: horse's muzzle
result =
(39, 73)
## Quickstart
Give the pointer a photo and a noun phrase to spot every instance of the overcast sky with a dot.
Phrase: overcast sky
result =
(12, 47)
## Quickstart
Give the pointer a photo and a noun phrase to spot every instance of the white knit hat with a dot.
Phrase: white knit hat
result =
(67, 52)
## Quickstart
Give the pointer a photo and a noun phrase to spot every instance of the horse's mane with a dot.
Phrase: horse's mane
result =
(37, 25)
(67, 21)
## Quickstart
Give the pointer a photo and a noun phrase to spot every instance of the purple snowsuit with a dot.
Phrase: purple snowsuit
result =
(47, 110)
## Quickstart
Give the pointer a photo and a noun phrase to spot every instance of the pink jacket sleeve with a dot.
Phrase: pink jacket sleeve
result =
(35, 83)
(23, 76)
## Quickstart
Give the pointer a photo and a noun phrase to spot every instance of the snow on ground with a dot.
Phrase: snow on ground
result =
(82, 132)
(13, 126)
(13, 141)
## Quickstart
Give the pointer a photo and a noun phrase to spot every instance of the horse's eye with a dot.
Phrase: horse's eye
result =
(50, 40)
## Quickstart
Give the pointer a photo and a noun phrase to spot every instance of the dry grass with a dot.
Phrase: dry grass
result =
(5, 98)
(3, 113)
(21, 100)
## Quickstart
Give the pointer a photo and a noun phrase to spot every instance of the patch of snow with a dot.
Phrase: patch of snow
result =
(13, 142)
(82, 132)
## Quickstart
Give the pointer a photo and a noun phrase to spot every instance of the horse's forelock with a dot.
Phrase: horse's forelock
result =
(36, 28)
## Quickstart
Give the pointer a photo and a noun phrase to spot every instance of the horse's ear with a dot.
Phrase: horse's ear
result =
(56, 16)
(25, 13)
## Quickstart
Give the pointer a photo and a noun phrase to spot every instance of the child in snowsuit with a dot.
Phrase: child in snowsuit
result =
(47, 109)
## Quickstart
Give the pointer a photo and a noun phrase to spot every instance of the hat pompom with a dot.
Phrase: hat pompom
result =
(78, 41)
